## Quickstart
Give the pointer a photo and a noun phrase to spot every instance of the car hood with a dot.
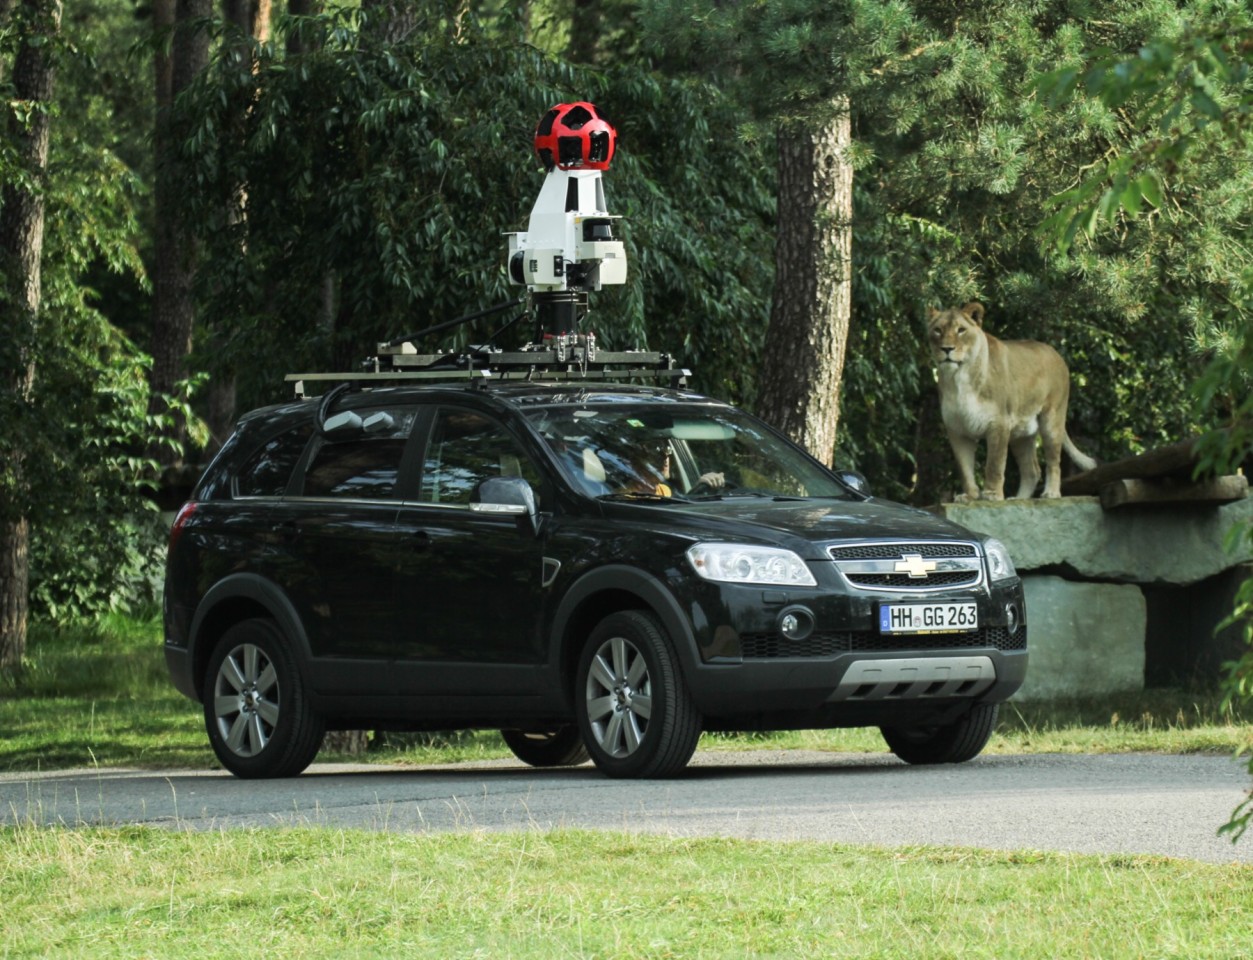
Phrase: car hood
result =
(816, 522)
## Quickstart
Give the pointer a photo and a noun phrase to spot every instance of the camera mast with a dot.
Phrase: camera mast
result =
(567, 251)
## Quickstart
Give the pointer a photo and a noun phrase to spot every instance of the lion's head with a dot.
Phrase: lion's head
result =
(953, 333)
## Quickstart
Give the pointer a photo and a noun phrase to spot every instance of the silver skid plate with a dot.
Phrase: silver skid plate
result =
(915, 677)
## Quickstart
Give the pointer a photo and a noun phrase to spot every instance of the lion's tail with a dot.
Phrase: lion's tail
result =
(1081, 459)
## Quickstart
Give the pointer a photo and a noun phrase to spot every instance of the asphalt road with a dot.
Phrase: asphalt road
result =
(1146, 804)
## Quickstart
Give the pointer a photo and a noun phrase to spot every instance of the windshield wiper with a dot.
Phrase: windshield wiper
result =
(641, 495)
(745, 494)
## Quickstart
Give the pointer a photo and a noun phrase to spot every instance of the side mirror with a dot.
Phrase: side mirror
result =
(855, 482)
(512, 496)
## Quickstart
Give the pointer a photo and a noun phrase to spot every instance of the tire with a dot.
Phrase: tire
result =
(256, 708)
(952, 743)
(559, 747)
(634, 710)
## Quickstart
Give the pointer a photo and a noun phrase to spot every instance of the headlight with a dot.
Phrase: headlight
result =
(999, 564)
(740, 563)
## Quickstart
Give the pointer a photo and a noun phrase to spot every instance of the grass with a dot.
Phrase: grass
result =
(97, 695)
(333, 893)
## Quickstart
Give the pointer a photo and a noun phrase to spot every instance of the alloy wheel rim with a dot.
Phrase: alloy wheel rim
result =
(619, 697)
(246, 700)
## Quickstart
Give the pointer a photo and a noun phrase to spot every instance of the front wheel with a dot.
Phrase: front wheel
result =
(256, 709)
(559, 747)
(954, 742)
(634, 710)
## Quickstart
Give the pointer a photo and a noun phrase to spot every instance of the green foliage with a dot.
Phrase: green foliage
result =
(1189, 96)
(1239, 690)
(379, 182)
(1187, 91)
(78, 433)
(957, 157)
(1226, 387)
(788, 60)
(967, 157)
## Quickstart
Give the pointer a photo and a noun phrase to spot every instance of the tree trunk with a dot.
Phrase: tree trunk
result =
(21, 250)
(296, 43)
(174, 268)
(353, 743)
(390, 22)
(252, 19)
(803, 355)
(933, 457)
(585, 30)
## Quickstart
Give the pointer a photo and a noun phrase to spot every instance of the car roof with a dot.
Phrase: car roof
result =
(519, 395)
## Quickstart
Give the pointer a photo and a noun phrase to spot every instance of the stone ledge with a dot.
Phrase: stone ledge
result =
(1159, 544)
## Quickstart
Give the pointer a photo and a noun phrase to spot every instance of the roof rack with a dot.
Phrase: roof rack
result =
(561, 357)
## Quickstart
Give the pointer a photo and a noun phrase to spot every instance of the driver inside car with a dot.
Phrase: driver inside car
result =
(651, 471)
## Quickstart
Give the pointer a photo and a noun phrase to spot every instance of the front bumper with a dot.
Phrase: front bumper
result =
(844, 668)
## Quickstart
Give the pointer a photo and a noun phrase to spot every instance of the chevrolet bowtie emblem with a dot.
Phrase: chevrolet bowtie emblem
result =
(915, 566)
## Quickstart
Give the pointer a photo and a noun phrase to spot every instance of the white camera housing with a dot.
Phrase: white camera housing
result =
(568, 243)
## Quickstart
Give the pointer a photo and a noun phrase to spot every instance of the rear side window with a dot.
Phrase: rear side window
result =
(267, 472)
(362, 460)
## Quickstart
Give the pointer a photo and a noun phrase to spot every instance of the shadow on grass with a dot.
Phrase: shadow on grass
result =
(50, 733)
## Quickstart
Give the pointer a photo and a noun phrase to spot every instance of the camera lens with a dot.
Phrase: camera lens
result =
(594, 230)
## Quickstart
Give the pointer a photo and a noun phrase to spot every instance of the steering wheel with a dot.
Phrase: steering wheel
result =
(703, 486)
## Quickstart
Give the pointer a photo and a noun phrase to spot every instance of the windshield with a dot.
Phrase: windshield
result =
(682, 452)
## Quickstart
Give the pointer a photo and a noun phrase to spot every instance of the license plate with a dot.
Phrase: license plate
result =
(928, 617)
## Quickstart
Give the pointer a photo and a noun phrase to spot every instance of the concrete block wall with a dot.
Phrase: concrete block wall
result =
(1085, 639)
(1119, 598)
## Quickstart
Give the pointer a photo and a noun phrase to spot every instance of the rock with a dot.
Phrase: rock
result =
(1085, 639)
(1152, 544)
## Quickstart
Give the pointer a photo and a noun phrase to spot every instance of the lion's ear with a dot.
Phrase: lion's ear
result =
(974, 310)
(932, 313)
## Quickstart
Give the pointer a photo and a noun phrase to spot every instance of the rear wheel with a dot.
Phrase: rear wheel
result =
(256, 709)
(950, 743)
(634, 710)
(559, 747)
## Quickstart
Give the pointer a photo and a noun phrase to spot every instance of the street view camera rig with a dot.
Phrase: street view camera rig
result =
(567, 251)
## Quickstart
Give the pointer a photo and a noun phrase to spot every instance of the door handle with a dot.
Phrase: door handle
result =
(420, 539)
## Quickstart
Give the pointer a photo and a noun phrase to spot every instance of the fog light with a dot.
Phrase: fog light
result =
(796, 623)
(1011, 618)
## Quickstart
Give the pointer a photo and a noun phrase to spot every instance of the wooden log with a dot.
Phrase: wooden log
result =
(1168, 490)
(1177, 460)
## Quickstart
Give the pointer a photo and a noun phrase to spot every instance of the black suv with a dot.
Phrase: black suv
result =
(599, 571)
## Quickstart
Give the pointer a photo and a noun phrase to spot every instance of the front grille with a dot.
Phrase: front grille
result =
(908, 567)
(902, 581)
(894, 551)
(770, 646)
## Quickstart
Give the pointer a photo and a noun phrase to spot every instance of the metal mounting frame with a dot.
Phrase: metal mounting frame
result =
(567, 357)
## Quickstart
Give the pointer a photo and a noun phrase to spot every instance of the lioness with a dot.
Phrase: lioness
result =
(1007, 391)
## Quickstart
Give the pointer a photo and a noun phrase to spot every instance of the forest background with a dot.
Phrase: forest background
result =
(217, 195)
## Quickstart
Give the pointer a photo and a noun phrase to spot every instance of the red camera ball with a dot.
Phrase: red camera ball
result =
(574, 136)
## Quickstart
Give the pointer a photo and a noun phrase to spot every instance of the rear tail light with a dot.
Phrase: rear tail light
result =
(180, 521)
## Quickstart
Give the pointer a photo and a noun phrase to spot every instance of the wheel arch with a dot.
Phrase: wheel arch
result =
(239, 597)
(607, 590)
